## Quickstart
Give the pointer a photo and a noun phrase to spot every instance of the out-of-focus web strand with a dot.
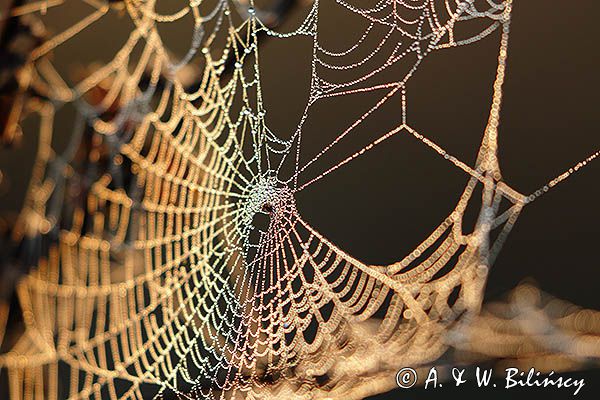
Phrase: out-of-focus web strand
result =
(169, 287)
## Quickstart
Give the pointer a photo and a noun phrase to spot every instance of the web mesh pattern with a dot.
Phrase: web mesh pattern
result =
(154, 275)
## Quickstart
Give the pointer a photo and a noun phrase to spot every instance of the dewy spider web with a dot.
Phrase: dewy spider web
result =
(152, 277)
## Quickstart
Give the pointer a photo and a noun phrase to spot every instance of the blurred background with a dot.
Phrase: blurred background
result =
(381, 205)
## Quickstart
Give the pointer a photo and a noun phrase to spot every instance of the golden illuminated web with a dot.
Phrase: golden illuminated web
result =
(153, 277)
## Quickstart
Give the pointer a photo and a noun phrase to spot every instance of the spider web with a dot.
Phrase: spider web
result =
(151, 275)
